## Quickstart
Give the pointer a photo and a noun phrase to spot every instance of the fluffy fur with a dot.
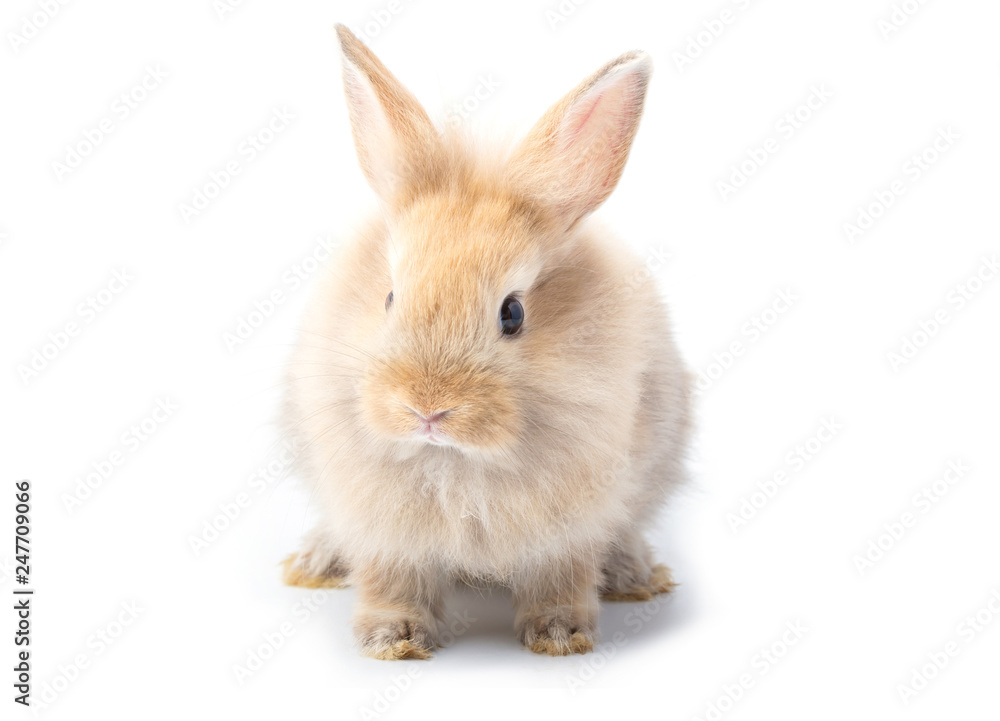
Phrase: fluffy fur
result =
(557, 445)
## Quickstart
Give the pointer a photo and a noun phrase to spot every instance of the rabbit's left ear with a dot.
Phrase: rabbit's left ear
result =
(397, 144)
(574, 155)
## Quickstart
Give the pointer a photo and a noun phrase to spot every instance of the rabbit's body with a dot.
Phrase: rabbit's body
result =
(620, 387)
(438, 448)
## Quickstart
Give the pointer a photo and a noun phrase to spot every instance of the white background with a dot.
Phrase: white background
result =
(202, 613)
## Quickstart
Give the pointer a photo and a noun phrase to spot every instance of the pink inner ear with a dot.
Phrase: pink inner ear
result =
(609, 136)
(359, 97)
(372, 134)
(574, 130)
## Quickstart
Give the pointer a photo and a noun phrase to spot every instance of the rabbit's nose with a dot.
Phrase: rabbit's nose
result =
(429, 430)
(429, 419)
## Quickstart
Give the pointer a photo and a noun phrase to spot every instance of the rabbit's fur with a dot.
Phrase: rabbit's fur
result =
(558, 444)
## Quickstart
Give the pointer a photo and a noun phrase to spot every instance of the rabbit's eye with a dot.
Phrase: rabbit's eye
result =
(511, 315)
(388, 300)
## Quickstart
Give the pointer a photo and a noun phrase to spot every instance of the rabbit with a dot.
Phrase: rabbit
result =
(480, 392)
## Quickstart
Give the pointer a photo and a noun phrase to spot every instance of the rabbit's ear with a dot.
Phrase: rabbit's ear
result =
(396, 141)
(574, 155)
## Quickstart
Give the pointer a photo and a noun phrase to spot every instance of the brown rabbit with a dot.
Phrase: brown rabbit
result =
(478, 391)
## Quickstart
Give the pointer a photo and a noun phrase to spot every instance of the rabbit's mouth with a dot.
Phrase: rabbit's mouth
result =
(429, 429)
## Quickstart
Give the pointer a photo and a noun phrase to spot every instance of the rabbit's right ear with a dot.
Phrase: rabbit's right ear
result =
(396, 142)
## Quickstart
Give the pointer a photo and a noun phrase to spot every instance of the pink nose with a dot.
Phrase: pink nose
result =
(429, 421)
(432, 418)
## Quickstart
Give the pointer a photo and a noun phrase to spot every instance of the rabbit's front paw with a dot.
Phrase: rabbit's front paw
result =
(393, 638)
(555, 634)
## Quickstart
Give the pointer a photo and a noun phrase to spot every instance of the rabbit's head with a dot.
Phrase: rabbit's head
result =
(479, 308)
